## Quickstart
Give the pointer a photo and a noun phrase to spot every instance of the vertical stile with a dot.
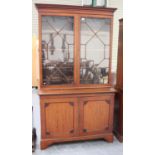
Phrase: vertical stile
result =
(110, 54)
(77, 49)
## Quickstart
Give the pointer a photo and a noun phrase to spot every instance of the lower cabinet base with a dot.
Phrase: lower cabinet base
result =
(78, 117)
(47, 142)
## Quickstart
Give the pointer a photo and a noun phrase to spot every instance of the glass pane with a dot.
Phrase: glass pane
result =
(57, 50)
(94, 57)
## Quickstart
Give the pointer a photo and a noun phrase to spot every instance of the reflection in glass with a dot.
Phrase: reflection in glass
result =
(94, 56)
(57, 50)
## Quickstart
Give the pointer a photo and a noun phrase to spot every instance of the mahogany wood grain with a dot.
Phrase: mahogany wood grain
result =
(59, 119)
(93, 113)
(75, 111)
(76, 90)
(96, 114)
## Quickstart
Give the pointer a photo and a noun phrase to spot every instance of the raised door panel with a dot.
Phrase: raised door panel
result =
(60, 118)
(96, 115)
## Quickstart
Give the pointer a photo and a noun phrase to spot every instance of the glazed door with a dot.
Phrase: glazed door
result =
(96, 114)
(95, 50)
(59, 117)
(57, 50)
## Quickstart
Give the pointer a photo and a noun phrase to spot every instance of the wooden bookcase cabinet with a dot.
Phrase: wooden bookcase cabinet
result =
(75, 87)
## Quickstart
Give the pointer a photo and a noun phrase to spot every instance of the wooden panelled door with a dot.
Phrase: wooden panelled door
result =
(60, 117)
(95, 112)
(75, 86)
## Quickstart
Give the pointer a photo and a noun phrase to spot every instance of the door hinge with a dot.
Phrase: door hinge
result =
(47, 133)
(85, 102)
(84, 130)
(72, 131)
(71, 103)
(107, 128)
(46, 104)
(108, 101)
